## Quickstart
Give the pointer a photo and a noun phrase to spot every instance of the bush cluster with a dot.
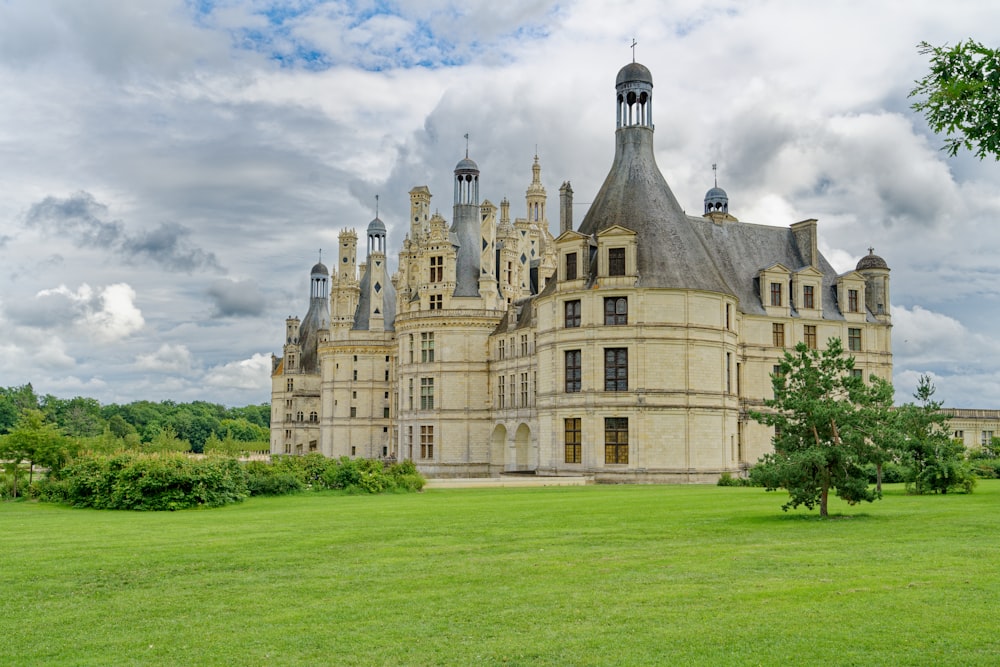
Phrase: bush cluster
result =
(172, 481)
(137, 481)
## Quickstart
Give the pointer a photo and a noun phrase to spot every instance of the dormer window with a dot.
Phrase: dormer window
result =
(616, 261)
(775, 294)
(571, 266)
(808, 297)
(852, 300)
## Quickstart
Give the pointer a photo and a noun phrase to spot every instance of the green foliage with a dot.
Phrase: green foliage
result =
(166, 441)
(34, 441)
(960, 96)
(159, 481)
(265, 479)
(825, 420)
(936, 463)
(233, 446)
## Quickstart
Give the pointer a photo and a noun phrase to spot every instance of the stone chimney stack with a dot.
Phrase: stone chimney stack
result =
(565, 207)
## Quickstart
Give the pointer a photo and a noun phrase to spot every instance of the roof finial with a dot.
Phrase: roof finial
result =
(466, 145)
(376, 206)
(633, 48)
(871, 250)
(320, 255)
(715, 173)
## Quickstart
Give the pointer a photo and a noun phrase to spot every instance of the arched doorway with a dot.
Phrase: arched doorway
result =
(522, 448)
(498, 449)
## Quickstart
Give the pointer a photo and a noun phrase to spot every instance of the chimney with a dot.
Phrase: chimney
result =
(565, 207)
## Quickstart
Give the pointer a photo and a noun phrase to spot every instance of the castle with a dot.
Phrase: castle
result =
(629, 348)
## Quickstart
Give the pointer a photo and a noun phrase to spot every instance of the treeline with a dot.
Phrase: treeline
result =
(198, 426)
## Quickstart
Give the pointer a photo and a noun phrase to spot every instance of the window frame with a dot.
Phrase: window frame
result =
(572, 440)
(573, 364)
(571, 314)
(615, 440)
(616, 369)
(617, 314)
(617, 261)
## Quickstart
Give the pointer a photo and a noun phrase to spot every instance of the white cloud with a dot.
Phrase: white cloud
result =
(249, 374)
(107, 315)
(167, 359)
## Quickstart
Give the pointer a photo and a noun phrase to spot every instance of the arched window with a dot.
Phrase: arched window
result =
(313, 417)
(299, 416)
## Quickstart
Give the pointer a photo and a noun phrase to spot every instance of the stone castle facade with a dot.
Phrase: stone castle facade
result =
(630, 348)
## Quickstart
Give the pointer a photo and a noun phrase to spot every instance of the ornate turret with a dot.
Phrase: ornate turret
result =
(465, 227)
(635, 196)
(876, 273)
(316, 324)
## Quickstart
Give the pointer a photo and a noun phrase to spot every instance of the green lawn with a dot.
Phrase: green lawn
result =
(599, 575)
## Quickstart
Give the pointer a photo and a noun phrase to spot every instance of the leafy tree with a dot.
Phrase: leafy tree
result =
(961, 96)
(14, 401)
(824, 419)
(936, 463)
(34, 441)
(167, 441)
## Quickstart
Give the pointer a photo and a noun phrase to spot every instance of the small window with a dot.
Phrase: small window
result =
(857, 373)
(616, 369)
(426, 393)
(427, 347)
(809, 336)
(808, 297)
(501, 391)
(290, 385)
(437, 269)
(571, 266)
(313, 417)
(852, 300)
(616, 261)
(573, 371)
(854, 340)
(616, 440)
(354, 411)
(616, 310)
(573, 440)
(775, 294)
(385, 412)
(572, 313)
(437, 301)
(426, 442)
(778, 334)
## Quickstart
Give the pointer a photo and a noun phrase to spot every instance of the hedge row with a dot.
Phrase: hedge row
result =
(170, 481)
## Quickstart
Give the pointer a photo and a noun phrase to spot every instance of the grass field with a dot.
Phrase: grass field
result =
(598, 575)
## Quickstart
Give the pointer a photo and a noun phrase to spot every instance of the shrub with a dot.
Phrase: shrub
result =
(163, 481)
(265, 479)
(405, 477)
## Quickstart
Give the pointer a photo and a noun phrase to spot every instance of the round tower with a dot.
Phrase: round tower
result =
(876, 273)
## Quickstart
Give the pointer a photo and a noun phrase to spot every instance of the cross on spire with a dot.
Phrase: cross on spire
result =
(633, 48)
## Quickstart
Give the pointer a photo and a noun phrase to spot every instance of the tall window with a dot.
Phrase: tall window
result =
(411, 348)
(729, 317)
(729, 372)
(299, 416)
(616, 310)
(502, 349)
(616, 369)
(524, 389)
(426, 442)
(573, 440)
(573, 371)
(313, 416)
(986, 438)
(437, 269)
(778, 334)
(290, 385)
(410, 394)
(524, 345)
(573, 313)
(571, 266)
(616, 439)
(426, 393)
(854, 340)
(852, 300)
(808, 297)
(809, 336)
(437, 301)
(501, 393)
(616, 261)
(427, 347)
(775, 294)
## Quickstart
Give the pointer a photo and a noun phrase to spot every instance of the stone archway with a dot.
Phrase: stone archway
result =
(522, 448)
(498, 449)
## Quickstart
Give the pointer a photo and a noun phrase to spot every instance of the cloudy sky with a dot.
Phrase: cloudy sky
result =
(169, 169)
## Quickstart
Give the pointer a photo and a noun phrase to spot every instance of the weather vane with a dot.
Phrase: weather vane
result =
(633, 48)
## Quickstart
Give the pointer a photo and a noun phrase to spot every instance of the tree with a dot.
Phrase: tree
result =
(936, 464)
(35, 441)
(824, 418)
(961, 96)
